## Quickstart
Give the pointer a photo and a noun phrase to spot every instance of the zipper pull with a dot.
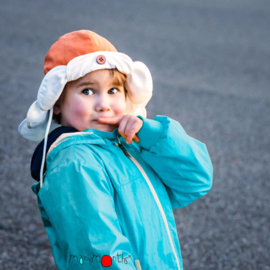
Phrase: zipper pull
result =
(119, 144)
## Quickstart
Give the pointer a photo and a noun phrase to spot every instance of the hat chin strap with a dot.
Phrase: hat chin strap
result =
(44, 147)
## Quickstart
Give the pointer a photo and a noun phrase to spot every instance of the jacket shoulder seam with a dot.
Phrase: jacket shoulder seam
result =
(64, 137)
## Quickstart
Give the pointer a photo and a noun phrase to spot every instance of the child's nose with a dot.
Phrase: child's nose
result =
(102, 104)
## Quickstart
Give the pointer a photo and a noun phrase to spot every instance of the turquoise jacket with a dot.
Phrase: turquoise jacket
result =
(108, 204)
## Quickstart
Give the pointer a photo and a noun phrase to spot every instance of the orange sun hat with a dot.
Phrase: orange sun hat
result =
(71, 57)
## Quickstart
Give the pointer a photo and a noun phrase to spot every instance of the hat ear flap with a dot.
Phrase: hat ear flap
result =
(51, 87)
(136, 109)
(139, 83)
(35, 134)
(36, 116)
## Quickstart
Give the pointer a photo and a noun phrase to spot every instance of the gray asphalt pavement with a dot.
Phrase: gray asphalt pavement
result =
(210, 62)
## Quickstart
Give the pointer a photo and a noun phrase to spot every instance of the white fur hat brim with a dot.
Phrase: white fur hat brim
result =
(139, 87)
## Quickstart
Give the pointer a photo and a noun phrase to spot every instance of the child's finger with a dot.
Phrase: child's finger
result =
(130, 126)
(110, 120)
(136, 138)
(130, 137)
(122, 126)
(122, 134)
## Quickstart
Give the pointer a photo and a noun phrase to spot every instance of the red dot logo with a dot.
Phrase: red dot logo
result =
(106, 261)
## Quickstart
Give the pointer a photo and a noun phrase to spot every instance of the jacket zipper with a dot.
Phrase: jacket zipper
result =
(119, 144)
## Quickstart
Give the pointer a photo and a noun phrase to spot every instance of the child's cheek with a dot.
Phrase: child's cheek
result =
(120, 109)
(80, 113)
(81, 110)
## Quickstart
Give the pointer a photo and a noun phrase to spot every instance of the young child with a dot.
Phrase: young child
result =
(112, 176)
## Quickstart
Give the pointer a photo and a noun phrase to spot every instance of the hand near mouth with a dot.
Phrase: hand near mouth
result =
(128, 124)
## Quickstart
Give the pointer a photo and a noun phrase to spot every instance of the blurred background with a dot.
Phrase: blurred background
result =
(210, 62)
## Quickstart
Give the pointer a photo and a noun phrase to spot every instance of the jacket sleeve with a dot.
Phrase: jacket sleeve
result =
(182, 162)
(78, 198)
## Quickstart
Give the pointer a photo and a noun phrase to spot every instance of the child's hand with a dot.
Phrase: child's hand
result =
(128, 124)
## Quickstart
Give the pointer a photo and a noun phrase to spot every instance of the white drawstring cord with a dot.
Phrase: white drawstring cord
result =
(45, 146)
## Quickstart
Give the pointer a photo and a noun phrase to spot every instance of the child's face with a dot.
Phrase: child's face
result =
(90, 97)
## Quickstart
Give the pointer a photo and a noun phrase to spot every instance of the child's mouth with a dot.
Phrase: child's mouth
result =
(96, 121)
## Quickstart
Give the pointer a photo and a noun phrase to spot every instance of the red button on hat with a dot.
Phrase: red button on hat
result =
(101, 59)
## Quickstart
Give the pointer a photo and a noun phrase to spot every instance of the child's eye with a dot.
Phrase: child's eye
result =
(87, 92)
(115, 90)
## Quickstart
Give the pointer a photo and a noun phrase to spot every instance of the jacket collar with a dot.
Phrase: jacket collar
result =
(97, 137)
(104, 134)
